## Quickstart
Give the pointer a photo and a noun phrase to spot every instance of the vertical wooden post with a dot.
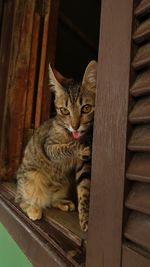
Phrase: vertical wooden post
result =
(109, 148)
(6, 26)
(47, 56)
(42, 65)
(16, 89)
(32, 72)
(50, 58)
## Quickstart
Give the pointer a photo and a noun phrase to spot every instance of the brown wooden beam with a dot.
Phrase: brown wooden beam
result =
(109, 146)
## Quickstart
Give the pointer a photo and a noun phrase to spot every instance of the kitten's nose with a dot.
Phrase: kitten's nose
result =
(76, 126)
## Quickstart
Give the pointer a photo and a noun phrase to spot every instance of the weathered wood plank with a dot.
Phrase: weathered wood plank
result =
(139, 168)
(140, 139)
(48, 56)
(133, 258)
(66, 222)
(142, 32)
(50, 230)
(141, 86)
(139, 198)
(137, 230)
(109, 144)
(25, 234)
(141, 111)
(143, 8)
(14, 115)
(142, 58)
(32, 73)
(42, 65)
(5, 47)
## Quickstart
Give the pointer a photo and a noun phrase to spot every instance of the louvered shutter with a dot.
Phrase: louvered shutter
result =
(136, 248)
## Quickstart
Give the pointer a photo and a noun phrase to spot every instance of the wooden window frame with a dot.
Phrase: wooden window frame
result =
(109, 150)
(110, 130)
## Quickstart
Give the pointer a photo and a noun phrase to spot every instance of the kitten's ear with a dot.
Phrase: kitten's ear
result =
(55, 86)
(89, 78)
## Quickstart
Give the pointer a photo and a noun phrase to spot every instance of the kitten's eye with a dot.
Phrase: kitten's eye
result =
(64, 111)
(86, 108)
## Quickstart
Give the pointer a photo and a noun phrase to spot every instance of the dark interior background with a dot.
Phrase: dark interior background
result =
(78, 36)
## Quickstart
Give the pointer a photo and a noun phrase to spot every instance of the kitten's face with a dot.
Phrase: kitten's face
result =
(75, 103)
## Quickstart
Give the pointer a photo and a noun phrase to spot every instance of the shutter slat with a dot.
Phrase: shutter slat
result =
(140, 139)
(142, 57)
(142, 32)
(141, 111)
(143, 8)
(134, 256)
(141, 86)
(139, 168)
(138, 229)
(139, 198)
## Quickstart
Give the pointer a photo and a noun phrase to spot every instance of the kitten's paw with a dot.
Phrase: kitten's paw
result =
(64, 205)
(84, 153)
(34, 213)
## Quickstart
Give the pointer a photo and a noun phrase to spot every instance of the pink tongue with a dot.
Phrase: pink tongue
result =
(76, 134)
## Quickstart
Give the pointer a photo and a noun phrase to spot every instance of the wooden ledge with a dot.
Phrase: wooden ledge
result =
(56, 239)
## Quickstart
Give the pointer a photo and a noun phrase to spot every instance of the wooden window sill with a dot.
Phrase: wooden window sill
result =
(56, 240)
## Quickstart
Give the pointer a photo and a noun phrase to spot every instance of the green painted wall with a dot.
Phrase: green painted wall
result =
(10, 254)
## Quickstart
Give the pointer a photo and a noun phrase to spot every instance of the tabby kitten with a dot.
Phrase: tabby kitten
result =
(59, 153)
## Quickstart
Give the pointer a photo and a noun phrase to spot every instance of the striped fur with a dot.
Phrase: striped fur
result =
(54, 160)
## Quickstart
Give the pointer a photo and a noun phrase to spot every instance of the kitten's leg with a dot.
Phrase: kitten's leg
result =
(34, 212)
(56, 152)
(34, 193)
(83, 175)
(60, 197)
(64, 205)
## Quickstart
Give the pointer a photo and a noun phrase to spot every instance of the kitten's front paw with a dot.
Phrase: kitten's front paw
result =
(34, 213)
(64, 205)
(84, 153)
